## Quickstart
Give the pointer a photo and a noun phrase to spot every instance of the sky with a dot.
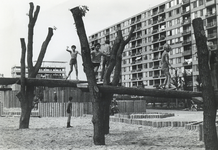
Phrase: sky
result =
(14, 25)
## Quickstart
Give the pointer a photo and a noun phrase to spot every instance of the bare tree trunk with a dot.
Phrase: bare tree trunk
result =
(27, 92)
(26, 107)
(96, 96)
(107, 97)
(117, 63)
(210, 134)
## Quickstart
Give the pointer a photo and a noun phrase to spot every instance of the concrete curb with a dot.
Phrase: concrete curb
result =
(157, 124)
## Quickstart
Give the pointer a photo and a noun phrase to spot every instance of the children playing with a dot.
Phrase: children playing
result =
(96, 57)
(69, 111)
(73, 60)
(165, 66)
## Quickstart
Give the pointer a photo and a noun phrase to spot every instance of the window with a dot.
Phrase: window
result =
(179, 60)
(201, 12)
(170, 23)
(150, 73)
(194, 4)
(149, 39)
(178, 20)
(170, 13)
(149, 21)
(178, 11)
(151, 65)
(150, 82)
(201, 2)
(196, 14)
(169, 33)
(145, 66)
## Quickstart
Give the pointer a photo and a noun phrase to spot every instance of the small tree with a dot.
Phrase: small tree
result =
(26, 94)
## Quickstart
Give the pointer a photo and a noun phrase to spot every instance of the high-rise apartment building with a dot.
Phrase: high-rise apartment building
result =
(169, 22)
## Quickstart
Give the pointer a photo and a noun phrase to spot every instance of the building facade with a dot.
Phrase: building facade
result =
(169, 22)
(48, 69)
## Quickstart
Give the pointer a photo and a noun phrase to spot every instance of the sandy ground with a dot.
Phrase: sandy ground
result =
(52, 134)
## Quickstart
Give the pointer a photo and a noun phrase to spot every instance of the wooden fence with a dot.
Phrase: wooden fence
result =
(11, 101)
(78, 108)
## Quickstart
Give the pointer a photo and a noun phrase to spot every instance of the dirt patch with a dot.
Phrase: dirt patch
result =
(51, 133)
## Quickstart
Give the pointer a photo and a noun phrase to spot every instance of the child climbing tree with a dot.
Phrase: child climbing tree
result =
(26, 94)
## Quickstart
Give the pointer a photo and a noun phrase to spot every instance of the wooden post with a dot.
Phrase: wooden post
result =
(62, 103)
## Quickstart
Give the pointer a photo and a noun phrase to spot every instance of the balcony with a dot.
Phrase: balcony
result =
(186, 43)
(187, 52)
(154, 31)
(133, 46)
(155, 40)
(138, 28)
(161, 48)
(161, 20)
(138, 19)
(155, 49)
(161, 10)
(139, 36)
(211, 24)
(138, 44)
(162, 75)
(162, 38)
(155, 13)
(155, 67)
(155, 58)
(132, 22)
(156, 76)
(186, 21)
(211, 36)
(139, 69)
(132, 38)
(107, 33)
(133, 54)
(186, 32)
(154, 22)
(210, 14)
(187, 64)
(185, 2)
(184, 12)
(134, 78)
(138, 53)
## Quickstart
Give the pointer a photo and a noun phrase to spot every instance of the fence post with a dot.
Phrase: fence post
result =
(62, 103)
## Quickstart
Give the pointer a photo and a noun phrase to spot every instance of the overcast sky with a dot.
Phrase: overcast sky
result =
(14, 22)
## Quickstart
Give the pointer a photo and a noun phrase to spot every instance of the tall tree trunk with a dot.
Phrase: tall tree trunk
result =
(26, 108)
(210, 134)
(107, 97)
(96, 96)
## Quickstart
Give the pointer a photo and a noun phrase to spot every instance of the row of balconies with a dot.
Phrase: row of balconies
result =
(136, 70)
(161, 10)
(158, 39)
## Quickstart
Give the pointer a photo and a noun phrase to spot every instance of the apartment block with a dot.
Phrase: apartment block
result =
(48, 70)
(169, 22)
